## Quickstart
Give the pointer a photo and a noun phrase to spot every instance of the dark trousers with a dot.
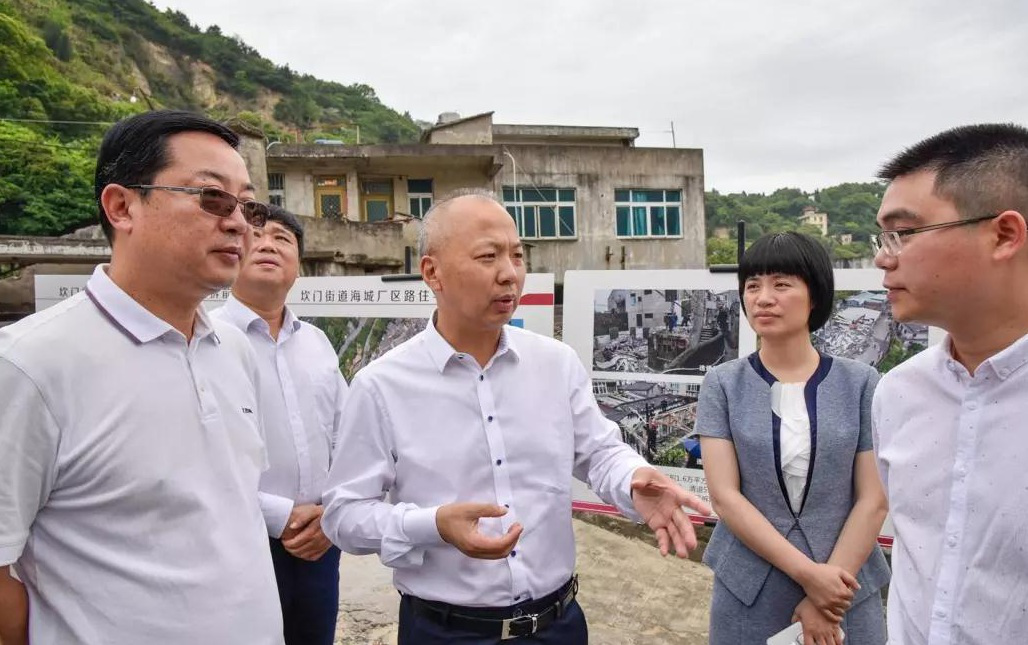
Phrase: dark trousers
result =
(309, 593)
(569, 629)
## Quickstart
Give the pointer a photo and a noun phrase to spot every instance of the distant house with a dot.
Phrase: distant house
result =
(811, 217)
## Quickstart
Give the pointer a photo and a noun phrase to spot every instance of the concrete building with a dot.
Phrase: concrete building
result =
(813, 218)
(582, 197)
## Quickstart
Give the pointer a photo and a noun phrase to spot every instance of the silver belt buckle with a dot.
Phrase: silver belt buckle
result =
(505, 632)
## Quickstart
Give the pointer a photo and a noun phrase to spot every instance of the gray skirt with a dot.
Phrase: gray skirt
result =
(733, 623)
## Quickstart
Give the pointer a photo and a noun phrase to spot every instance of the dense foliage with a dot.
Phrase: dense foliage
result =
(100, 60)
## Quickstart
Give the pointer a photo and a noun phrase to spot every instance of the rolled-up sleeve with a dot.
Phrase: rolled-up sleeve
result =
(29, 439)
(602, 460)
(356, 517)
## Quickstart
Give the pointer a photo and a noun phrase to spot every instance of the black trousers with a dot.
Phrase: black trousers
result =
(309, 593)
(569, 629)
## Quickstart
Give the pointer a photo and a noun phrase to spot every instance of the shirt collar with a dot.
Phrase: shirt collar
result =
(1003, 364)
(441, 351)
(243, 317)
(132, 318)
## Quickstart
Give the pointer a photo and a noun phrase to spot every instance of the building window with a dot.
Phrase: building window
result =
(377, 199)
(419, 192)
(276, 189)
(648, 213)
(330, 197)
(542, 213)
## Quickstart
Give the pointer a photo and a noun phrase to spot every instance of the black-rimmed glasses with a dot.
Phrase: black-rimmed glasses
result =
(892, 241)
(219, 202)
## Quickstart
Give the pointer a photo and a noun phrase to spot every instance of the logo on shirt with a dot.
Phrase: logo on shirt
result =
(247, 411)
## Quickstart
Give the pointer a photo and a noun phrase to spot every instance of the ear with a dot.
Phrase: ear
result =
(116, 201)
(430, 273)
(1010, 235)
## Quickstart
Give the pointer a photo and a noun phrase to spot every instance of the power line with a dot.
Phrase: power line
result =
(3, 118)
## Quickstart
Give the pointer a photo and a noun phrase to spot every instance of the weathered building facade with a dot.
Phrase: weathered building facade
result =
(582, 197)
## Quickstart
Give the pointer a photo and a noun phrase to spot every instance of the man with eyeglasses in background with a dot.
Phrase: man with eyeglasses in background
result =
(950, 425)
(130, 440)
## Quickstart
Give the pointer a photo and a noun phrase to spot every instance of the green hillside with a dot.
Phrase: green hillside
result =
(99, 60)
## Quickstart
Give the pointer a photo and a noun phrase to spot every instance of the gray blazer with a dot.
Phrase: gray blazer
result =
(735, 404)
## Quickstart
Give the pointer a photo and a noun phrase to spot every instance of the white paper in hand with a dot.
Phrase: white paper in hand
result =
(793, 635)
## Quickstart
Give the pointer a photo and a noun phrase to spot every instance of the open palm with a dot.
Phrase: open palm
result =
(659, 500)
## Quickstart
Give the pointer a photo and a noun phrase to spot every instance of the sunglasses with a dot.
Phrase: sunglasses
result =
(219, 202)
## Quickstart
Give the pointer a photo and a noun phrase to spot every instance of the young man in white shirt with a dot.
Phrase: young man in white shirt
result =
(950, 426)
(301, 396)
(474, 430)
(129, 448)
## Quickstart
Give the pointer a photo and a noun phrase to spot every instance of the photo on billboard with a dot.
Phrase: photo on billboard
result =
(677, 332)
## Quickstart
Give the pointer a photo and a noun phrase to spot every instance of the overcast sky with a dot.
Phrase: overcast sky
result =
(777, 93)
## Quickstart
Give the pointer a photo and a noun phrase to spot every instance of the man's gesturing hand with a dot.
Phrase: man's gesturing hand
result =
(458, 525)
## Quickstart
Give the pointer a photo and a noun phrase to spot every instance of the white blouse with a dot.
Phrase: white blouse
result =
(789, 403)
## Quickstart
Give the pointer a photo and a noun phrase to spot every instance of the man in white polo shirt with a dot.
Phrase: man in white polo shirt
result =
(130, 441)
(950, 427)
(301, 397)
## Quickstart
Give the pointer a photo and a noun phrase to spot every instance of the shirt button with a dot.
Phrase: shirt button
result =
(971, 405)
(940, 613)
(499, 461)
(481, 377)
(460, 356)
(952, 541)
(513, 554)
(1004, 372)
(490, 419)
(506, 505)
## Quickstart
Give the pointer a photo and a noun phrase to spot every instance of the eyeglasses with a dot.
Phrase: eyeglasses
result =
(219, 202)
(892, 241)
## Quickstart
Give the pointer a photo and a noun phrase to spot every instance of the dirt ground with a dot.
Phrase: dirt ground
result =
(631, 595)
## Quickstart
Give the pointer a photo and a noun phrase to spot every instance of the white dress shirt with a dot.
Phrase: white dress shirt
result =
(129, 462)
(301, 399)
(430, 427)
(789, 402)
(953, 454)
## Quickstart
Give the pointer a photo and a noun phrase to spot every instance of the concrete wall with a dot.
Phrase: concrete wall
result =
(596, 172)
(470, 132)
(353, 248)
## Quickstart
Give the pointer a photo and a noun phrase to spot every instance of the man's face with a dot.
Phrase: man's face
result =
(933, 279)
(273, 262)
(479, 265)
(181, 247)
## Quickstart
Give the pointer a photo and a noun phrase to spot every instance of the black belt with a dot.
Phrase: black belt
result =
(507, 622)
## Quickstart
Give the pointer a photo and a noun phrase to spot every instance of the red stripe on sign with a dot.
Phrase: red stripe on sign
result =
(604, 509)
(537, 299)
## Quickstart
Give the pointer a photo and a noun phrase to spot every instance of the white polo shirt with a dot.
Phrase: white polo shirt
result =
(129, 463)
(301, 399)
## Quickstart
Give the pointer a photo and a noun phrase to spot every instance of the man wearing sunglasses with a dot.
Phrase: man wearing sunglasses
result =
(130, 440)
(950, 426)
(301, 398)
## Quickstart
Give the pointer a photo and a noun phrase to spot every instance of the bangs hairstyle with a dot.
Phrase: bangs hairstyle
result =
(798, 255)
(290, 222)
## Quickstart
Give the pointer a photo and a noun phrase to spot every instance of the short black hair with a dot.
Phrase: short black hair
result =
(982, 169)
(135, 149)
(793, 254)
(290, 221)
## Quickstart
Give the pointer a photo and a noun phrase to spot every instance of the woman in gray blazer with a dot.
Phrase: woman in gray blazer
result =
(786, 445)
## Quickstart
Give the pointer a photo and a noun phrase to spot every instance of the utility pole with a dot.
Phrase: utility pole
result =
(673, 143)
